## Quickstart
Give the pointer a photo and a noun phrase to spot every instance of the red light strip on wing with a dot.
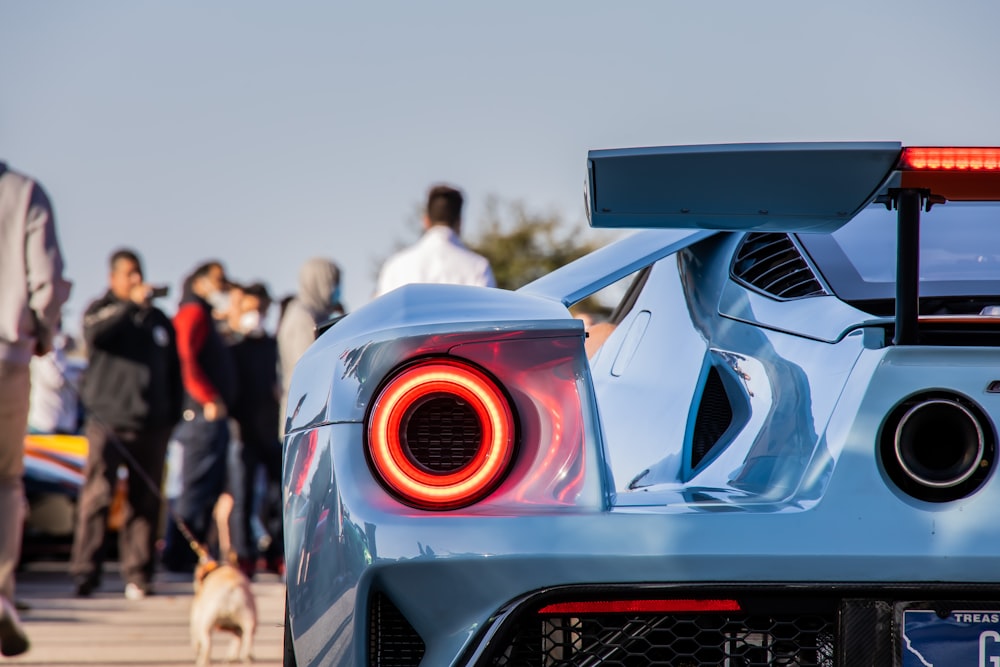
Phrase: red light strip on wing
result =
(415, 484)
(954, 173)
(639, 606)
(942, 158)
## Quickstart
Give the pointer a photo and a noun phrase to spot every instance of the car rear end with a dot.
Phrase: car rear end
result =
(519, 541)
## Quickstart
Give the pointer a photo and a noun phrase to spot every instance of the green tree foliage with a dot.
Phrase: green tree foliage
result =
(523, 245)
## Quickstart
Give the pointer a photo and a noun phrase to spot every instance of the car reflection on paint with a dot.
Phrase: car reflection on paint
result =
(778, 442)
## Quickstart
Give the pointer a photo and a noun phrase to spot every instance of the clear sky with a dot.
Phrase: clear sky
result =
(265, 133)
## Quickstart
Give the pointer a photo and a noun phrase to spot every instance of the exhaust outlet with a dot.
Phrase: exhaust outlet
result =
(939, 443)
(937, 447)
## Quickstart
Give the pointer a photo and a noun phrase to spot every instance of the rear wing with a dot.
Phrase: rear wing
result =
(790, 187)
(760, 187)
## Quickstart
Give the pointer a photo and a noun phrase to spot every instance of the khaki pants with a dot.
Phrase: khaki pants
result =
(137, 538)
(15, 386)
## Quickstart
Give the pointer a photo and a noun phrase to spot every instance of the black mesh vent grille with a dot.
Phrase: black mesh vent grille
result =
(733, 626)
(443, 433)
(773, 264)
(692, 640)
(392, 641)
(715, 415)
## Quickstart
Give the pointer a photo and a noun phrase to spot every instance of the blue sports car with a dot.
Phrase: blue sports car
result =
(779, 449)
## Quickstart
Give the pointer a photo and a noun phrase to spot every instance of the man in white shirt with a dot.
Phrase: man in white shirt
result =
(439, 256)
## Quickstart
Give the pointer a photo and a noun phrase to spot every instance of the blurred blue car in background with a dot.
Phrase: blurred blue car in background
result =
(780, 449)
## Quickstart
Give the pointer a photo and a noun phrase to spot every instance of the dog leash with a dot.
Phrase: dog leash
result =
(197, 547)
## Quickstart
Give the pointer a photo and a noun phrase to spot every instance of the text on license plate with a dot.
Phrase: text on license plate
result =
(964, 638)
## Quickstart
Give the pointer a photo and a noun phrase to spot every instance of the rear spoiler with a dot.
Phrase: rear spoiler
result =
(760, 187)
(790, 187)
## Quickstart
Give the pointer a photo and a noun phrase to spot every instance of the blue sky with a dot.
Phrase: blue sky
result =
(265, 133)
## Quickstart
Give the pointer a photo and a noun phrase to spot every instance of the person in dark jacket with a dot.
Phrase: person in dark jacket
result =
(132, 392)
(255, 355)
(209, 387)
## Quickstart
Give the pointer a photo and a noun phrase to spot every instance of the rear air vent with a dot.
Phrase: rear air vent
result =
(392, 640)
(715, 415)
(773, 264)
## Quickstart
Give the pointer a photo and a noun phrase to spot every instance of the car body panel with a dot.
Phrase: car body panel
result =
(410, 321)
(612, 485)
(610, 264)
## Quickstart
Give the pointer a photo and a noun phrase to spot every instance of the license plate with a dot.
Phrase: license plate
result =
(960, 639)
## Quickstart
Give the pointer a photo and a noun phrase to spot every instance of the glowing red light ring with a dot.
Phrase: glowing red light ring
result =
(414, 483)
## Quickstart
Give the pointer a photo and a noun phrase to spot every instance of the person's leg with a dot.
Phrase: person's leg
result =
(138, 538)
(271, 505)
(99, 477)
(15, 387)
(175, 550)
(204, 472)
(242, 481)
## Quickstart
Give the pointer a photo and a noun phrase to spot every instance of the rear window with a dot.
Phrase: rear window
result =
(960, 252)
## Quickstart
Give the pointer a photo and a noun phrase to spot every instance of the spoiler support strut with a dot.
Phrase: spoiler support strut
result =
(908, 202)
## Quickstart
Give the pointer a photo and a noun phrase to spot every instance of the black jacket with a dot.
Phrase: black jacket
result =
(133, 379)
(257, 404)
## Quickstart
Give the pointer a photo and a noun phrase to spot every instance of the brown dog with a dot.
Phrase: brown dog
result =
(222, 601)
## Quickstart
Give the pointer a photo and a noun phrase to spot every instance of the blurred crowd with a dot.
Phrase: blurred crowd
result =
(190, 404)
(199, 394)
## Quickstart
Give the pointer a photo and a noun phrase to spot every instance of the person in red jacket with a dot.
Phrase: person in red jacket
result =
(209, 387)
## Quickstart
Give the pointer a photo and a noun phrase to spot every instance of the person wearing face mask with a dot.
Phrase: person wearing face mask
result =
(209, 386)
(255, 411)
(318, 299)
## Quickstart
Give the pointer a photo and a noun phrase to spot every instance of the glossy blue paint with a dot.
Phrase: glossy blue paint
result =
(610, 264)
(335, 379)
(603, 491)
(823, 318)
(862, 532)
(763, 187)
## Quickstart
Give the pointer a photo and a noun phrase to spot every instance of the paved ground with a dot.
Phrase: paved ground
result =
(107, 629)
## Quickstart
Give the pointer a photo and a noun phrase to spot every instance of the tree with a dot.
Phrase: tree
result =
(522, 245)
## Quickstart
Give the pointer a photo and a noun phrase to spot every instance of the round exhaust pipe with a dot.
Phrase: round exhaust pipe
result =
(937, 447)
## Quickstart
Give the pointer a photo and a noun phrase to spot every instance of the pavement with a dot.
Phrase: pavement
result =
(107, 629)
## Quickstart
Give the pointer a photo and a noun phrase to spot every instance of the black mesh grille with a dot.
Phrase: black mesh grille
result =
(392, 641)
(715, 414)
(777, 625)
(678, 640)
(442, 433)
(773, 264)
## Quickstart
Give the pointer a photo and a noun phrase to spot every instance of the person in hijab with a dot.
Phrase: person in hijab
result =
(318, 300)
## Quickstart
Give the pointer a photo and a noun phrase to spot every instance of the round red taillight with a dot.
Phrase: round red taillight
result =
(441, 434)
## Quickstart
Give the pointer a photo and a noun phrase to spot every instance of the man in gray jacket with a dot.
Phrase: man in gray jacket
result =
(32, 292)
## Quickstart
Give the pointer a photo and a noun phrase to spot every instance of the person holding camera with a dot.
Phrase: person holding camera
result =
(133, 393)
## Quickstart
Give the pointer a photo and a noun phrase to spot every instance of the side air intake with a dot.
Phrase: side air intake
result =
(715, 416)
(772, 263)
(392, 641)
